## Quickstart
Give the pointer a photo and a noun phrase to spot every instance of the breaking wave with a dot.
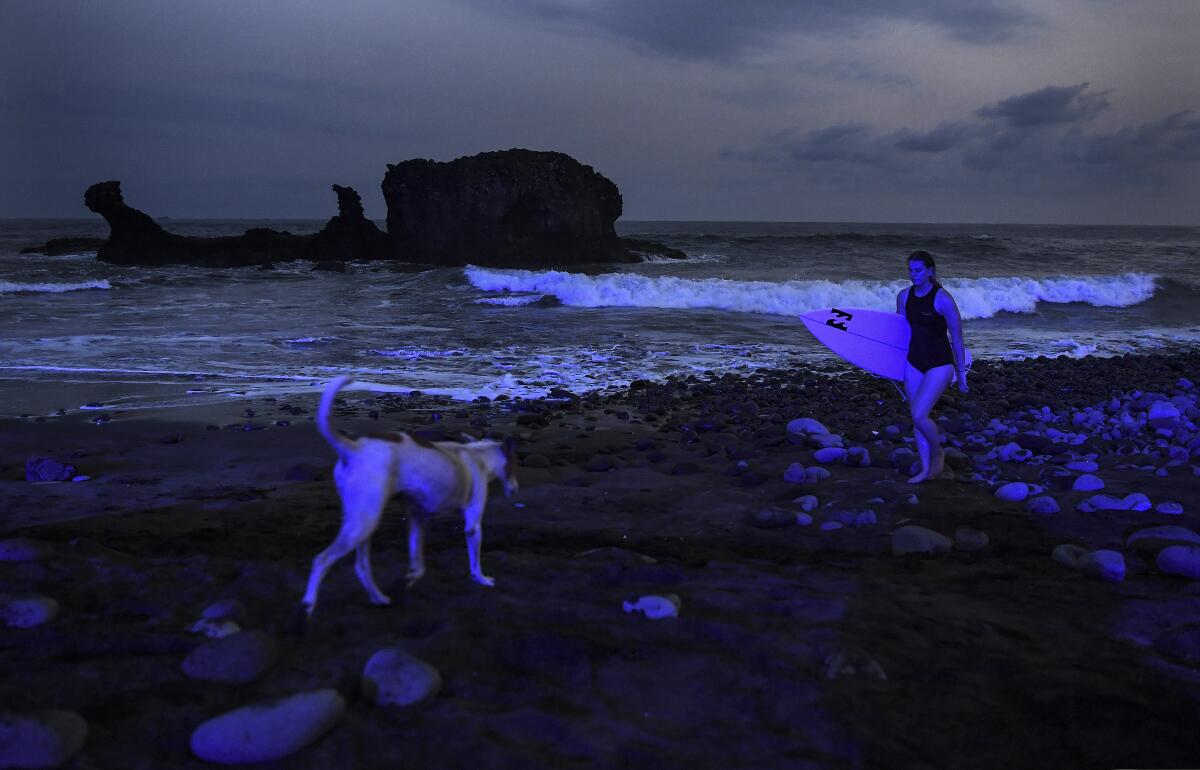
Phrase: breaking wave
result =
(10, 287)
(976, 297)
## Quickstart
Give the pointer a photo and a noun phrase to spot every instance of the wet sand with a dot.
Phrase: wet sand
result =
(795, 645)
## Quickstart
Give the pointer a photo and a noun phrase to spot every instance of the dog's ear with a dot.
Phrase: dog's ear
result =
(510, 451)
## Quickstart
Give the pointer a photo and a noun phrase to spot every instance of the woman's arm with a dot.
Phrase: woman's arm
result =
(945, 304)
(900, 298)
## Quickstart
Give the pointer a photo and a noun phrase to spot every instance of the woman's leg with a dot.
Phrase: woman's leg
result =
(932, 385)
(912, 383)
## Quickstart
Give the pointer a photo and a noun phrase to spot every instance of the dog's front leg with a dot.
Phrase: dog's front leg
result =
(416, 548)
(474, 544)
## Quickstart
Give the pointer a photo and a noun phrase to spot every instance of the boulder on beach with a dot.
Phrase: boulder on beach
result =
(270, 730)
(919, 540)
(392, 677)
(46, 738)
(349, 235)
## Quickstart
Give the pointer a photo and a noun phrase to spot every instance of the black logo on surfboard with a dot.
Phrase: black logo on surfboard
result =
(839, 314)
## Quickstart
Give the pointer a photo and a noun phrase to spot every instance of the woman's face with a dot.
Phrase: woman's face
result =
(918, 273)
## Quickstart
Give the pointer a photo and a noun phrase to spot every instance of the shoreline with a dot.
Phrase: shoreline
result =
(795, 645)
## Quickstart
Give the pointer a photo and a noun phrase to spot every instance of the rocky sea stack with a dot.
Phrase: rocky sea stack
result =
(515, 208)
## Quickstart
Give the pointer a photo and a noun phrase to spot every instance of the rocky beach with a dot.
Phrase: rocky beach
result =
(711, 570)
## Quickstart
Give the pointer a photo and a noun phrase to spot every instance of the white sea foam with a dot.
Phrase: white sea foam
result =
(976, 297)
(13, 287)
(414, 353)
(515, 300)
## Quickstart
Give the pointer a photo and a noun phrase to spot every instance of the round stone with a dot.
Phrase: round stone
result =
(1013, 492)
(1108, 566)
(794, 474)
(46, 738)
(1156, 538)
(1042, 505)
(27, 611)
(1169, 507)
(830, 454)
(914, 539)
(268, 730)
(1070, 555)
(21, 549)
(1088, 483)
(968, 539)
(1182, 560)
(806, 425)
(235, 659)
(392, 677)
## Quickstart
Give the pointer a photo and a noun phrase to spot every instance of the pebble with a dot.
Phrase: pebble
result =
(1131, 502)
(914, 539)
(392, 677)
(215, 629)
(1043, 505)
(1156, 538)
(807, 503)
(1182, 560)
(40, 469)
(1013, 492)
(1083, 466)
(1181, 643)
(235, 659)
(806, 425)
(655, 607)
(794, 474)
(21, 549)
(772, 518)
(1162, 414)
(46, 738)
(814, 473)
(1087, 483)
(1169, 507)
(27, 611)
(858, 456)
(1070, 555)
(804, 520)
(829, 455)
(269, 730)
(827, 440)
(970, 540)
(1105, 565)
(225, 609)
(829, 526)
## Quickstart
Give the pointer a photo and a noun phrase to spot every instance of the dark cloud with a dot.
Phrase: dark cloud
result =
(1036, 135)
(945, 137)
(723, 30)
(1048, 106)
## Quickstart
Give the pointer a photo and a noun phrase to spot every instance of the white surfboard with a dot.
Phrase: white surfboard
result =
(870, 339)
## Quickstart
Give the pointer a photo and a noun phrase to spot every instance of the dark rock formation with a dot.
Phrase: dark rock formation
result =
(515, 208)
(56, 247)
(349, 235)
(136, 239)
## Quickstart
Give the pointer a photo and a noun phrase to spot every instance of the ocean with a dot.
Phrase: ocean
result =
(82, 334)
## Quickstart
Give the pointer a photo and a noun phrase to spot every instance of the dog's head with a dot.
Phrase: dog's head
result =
(500, 459)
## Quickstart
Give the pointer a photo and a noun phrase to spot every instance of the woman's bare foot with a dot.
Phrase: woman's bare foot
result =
(937, 463)
(919, 477)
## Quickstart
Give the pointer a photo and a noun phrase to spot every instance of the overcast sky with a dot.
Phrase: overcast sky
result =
(1072, 111)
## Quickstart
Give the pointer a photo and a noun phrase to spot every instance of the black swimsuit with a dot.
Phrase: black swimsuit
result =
(929, 346)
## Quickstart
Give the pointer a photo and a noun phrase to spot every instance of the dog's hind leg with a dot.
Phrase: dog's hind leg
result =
(362, 505)
(362, 566)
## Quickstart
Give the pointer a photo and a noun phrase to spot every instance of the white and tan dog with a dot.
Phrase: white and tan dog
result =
(430, 477)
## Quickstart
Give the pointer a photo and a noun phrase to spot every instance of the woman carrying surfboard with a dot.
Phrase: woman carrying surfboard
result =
(933, 360)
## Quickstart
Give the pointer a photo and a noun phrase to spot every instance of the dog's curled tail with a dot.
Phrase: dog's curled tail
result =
(339, 442)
